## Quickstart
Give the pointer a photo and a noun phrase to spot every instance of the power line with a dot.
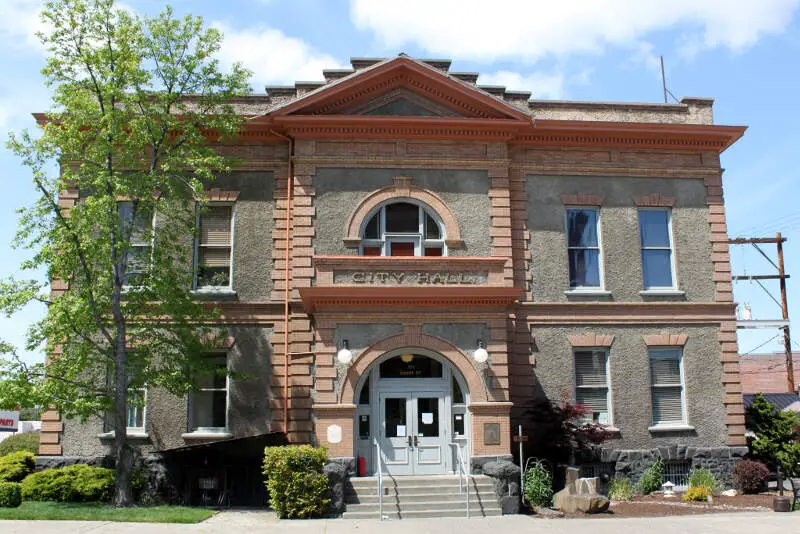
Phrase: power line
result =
(758, 347)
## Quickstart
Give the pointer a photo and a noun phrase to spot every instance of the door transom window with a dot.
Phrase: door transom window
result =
(403, 229)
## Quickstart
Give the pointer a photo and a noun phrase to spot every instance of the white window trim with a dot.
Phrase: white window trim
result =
(587, 290)
(152, 245)
(660, 290)
(214, 431)
(609, 397)
(214, 289)
(669, 425)
(386, 238)
(140, 429)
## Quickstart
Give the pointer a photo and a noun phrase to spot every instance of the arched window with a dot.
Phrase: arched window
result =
(403, 229)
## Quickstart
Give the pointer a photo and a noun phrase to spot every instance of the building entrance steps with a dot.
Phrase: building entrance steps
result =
(405, 497)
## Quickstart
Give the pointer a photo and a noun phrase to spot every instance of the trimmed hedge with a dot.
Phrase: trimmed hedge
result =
(20, 442)
(750, 477)
(16, 466)
(297, 487)
(76, 483)
(10, 495)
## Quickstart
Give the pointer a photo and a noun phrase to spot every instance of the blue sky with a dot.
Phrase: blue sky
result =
(742, 53)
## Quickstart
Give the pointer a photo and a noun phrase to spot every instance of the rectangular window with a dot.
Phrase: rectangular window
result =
(583, 246)
(209, 403)
(214, 247)
(591, 384)
(666, 378)
(140, 225)
(657, 257)
(137, 406)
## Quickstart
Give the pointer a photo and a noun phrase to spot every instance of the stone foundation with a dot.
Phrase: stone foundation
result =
(632, 464)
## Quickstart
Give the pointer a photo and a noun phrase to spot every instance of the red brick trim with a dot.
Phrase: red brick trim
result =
(401, 189)
(219, 195)
(666, 340)
(583, 199)
(591, 340)
(656, 200)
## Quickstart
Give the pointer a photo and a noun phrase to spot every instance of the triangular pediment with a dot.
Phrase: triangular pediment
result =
(401, 86)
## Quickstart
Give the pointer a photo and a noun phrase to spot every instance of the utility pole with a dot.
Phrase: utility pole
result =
(778, 240)
(663, 79)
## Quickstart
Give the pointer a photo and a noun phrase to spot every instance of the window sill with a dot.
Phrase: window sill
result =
(662, 293)
(207, 435)
(671, 428)
(226, 291)
(587, 293)
(132, 434)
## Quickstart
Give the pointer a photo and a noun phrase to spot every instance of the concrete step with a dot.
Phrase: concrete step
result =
(416, 506)
(421, 514)
(417, 480)
(419, 490)
(404, 498)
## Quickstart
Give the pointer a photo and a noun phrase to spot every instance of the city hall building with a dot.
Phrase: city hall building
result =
(403, 257)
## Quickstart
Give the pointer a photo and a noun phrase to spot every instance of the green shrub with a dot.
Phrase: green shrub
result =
(697, 493)
(16, 466)
(538, 488)
(10, 495)
(652, 479)
(703, 478)
(20, 442)
(76, 483)
(620, 489)
(295, 482)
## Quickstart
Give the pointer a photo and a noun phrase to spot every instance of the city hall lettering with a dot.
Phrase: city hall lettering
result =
(414, 278)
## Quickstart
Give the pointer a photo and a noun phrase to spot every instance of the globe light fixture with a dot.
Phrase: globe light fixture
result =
(344, 356)
(480, 355)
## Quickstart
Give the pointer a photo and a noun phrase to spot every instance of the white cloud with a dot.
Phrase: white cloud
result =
(530, 31)
(540, 84)
(274, 57)
(19, 22)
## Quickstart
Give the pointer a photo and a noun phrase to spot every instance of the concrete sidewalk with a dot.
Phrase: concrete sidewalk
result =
(246, 522)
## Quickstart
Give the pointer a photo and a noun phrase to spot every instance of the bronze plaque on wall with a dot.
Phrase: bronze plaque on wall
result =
(491, 433)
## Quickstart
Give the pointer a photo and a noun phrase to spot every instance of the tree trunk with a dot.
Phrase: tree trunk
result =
(123, 452)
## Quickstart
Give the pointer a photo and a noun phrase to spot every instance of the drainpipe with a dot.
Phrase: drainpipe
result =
(287, 284)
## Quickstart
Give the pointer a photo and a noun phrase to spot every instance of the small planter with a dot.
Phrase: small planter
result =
(782, 504)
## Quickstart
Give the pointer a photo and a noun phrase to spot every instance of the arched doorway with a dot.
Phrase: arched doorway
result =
(412, 401)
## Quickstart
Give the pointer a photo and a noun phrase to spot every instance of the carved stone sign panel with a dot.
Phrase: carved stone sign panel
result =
(410, 278)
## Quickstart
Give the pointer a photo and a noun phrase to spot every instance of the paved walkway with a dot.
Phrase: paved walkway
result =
(244, 522)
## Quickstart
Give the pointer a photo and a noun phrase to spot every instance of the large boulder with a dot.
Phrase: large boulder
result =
(580, 495)
(337, 474)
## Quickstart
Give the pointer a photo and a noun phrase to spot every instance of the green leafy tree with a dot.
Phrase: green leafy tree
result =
(776, 435)
(138, 105)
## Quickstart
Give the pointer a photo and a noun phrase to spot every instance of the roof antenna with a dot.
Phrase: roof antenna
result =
(664, 83)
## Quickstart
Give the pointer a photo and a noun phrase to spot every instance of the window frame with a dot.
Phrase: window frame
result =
(197, 247)
(385, 238)
(138, 429)
(150, 246)
(600, 255)
(672, 254)
(609, 403)
(192, 427)
(660, 352)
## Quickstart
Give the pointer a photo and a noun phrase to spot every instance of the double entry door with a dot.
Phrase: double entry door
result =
(412, 433)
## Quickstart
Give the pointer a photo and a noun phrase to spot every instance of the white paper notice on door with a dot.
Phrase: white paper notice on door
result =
(427, 418)
(401, 431)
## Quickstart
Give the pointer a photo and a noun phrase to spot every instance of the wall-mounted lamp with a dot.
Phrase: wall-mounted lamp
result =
(480, 355)
(344, 356)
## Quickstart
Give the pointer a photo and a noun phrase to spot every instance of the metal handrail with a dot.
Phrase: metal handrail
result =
(379, 462)
(462, 470)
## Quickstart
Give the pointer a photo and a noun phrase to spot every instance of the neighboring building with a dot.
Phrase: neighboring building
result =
(766, 373)
(580, 247)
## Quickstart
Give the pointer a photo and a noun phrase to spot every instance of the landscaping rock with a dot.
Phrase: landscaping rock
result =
(338, 475)
(547, 513)
(580, 495)
(505, 477)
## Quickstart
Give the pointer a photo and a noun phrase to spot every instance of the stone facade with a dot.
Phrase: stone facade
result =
(498, 171)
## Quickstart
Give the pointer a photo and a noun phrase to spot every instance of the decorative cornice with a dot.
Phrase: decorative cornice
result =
(383, 298)
(579, 313)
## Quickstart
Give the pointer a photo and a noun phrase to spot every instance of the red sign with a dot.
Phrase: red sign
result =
(9, 420)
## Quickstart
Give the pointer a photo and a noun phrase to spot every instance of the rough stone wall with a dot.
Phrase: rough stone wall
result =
(630, 381)
(253, 223)
(619, 235)
(340, 190)
(167, 415)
